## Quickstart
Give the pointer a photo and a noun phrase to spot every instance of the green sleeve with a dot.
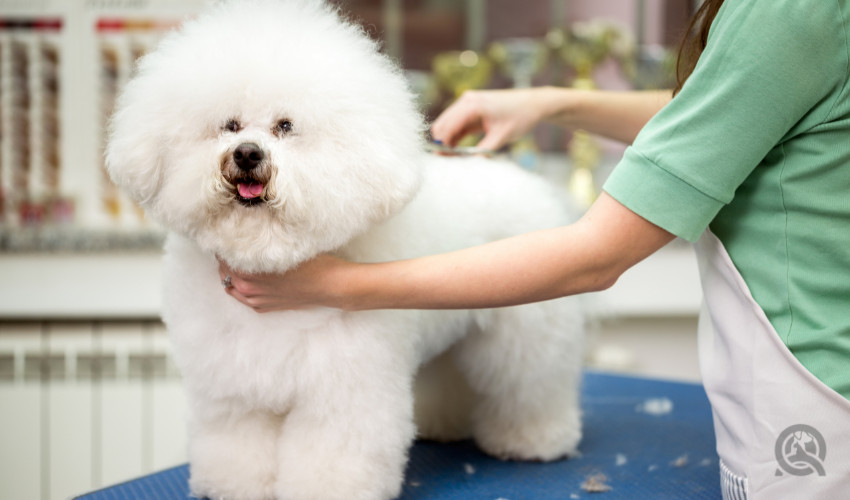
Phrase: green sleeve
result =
(759, 82)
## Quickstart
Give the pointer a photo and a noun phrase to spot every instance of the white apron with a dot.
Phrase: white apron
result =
(781, 433)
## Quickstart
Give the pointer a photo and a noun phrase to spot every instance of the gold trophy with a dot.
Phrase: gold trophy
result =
(459, 71)
(520, 59)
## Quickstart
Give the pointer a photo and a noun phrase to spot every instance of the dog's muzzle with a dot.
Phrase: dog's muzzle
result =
(246, 168)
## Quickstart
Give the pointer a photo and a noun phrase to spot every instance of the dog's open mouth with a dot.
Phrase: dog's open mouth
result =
(249, 192)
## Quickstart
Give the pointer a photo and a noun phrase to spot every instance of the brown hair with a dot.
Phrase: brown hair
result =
(695, 40)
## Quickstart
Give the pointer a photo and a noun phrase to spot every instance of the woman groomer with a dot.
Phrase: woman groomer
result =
(750, 160)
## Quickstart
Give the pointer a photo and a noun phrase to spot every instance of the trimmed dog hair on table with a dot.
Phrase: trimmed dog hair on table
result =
(266, 133)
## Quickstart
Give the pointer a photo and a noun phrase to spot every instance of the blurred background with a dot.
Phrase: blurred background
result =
(88, 392)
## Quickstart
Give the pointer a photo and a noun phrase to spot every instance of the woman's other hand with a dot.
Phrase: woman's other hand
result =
(315, 283)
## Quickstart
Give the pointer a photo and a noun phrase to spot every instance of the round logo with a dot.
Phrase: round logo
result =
(801, 450)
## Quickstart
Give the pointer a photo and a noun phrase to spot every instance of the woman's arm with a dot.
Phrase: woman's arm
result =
(505, 115)
(588, 255)
(617, 115)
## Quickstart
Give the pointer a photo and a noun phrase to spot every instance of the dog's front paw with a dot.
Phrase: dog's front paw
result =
(226, 488)
(224, 479)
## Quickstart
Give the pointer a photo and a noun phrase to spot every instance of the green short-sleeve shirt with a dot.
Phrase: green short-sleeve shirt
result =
(756, 146)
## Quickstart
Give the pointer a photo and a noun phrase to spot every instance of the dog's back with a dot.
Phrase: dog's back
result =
(465, 201)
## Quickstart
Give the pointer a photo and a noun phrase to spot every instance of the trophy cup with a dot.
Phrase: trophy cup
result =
(458, 71)
(650, 67)
(520, 59)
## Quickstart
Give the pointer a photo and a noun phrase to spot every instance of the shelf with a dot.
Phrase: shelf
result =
(80, 285)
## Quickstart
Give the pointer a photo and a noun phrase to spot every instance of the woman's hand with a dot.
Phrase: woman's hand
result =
(502, 115)
(314, 283)
(506, 115)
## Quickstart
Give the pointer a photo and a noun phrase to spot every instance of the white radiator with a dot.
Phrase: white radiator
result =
(85, 405)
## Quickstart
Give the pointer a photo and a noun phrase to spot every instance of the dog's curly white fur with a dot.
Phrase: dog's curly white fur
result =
(267, 132)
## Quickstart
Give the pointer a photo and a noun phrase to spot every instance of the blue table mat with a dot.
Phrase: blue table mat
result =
(643, 439)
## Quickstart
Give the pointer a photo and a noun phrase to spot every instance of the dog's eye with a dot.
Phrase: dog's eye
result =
(283, 127)
(232, 126)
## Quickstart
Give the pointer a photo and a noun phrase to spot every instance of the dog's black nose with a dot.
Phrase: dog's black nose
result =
(247, 156)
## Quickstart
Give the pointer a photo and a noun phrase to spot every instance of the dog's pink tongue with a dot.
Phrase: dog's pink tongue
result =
(251, 190)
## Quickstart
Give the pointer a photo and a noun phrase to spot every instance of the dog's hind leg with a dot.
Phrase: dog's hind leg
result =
(233, 457)
(525, 367)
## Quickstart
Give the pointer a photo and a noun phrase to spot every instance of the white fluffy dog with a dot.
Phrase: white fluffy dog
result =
(267, 133)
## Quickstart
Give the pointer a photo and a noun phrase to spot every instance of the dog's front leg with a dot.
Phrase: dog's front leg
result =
(348, 436)
(233, 456)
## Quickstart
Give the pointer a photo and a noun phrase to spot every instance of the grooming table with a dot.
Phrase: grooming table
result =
(643, 439)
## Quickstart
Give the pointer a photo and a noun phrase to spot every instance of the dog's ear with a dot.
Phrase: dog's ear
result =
(134, 148)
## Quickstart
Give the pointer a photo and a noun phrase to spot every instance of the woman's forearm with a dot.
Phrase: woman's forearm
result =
(508, 272)
(617, 115)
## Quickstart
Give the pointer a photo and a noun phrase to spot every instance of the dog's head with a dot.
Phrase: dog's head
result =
(267, 131)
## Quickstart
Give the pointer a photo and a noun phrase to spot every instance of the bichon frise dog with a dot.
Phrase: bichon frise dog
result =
(268, 132)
